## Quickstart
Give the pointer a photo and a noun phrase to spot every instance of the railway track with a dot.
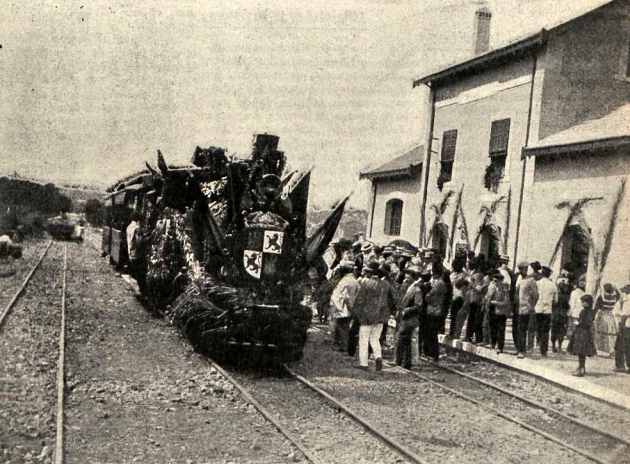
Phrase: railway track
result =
(570, 433)
(323, 428)
(32, 372)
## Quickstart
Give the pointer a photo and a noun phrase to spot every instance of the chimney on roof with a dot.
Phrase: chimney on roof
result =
(481, 30)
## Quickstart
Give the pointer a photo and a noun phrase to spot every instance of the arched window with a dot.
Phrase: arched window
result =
(393, 217)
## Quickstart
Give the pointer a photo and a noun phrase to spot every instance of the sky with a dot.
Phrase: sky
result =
(92, 89)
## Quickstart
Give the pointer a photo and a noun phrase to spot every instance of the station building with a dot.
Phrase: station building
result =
(526, 151)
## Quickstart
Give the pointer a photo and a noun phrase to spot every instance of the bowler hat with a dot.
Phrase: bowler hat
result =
(371, 268)
(414, 270)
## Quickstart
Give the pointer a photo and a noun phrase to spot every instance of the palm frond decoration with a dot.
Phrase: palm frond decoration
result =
(575, 212)
(506, 231)
(488, 214)
(438, 210)
(462, 216)
(456, 215)
(601, 257)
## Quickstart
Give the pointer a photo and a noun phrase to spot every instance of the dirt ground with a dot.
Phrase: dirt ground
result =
(138, 393)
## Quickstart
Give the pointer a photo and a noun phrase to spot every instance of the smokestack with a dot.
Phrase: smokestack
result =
(481, 30)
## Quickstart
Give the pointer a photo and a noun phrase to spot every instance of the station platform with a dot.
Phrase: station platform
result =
(600, 382)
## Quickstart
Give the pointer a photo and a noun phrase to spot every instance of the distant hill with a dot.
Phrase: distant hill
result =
(81, 195)
(352, 223)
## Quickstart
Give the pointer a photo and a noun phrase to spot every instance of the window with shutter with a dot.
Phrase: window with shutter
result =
(449, 141)
(447, 159)
(499, 136)
(393, 217)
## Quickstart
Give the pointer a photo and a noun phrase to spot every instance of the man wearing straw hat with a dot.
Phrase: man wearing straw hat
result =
(374, 304)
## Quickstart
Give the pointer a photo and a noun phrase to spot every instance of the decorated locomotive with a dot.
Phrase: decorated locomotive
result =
(219, 246)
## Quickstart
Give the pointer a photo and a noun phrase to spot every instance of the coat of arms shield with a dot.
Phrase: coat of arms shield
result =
(263, 247)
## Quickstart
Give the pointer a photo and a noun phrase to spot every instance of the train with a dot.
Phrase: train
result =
(219, 246)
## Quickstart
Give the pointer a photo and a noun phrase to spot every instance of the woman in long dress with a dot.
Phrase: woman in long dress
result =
(605, 325)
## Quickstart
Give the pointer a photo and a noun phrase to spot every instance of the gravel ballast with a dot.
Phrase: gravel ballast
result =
(436, 425)
(28, 360)
(138, 393)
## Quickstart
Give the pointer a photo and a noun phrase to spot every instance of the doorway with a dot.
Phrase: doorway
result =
(576, 250)
(490, 241)
(440, 238)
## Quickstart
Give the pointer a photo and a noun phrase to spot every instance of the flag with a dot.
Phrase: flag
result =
(298, 196)
(317, 243)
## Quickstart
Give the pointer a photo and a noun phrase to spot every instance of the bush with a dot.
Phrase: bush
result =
(95, 212)
(60, 230)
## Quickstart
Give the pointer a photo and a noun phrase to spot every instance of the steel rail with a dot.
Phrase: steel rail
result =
(530, 402)
(389, 441)
(266, 414)
(17, 294)
(505, 416)
(59, 451)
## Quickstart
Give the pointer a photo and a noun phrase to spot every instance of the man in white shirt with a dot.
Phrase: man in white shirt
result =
(342, 301)
(547, 297)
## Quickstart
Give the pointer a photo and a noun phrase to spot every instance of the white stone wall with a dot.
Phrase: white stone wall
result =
(407, 190)
(570, 178)
(470, 107)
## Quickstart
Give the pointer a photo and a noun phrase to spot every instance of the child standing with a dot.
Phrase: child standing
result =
(582, 343)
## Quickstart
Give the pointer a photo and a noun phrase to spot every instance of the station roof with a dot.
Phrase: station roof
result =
(401, 167)
(611, 130)
(513, 49)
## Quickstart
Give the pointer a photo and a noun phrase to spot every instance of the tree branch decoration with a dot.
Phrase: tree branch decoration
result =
(488, 212)
(438, 210)
(575, 212)
(601, 257)
(508, 213)
(493, 175)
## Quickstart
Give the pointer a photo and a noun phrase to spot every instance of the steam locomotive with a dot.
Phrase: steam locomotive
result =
(220, 247)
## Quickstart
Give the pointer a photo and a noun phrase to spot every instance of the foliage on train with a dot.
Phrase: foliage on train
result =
(221, 248)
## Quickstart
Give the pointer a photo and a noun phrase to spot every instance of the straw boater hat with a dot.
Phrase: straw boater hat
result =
(406, 252)
(366, 247)
(504, 259)
(388, 250)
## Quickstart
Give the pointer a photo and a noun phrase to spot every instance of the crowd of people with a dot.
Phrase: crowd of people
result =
(369, 288)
